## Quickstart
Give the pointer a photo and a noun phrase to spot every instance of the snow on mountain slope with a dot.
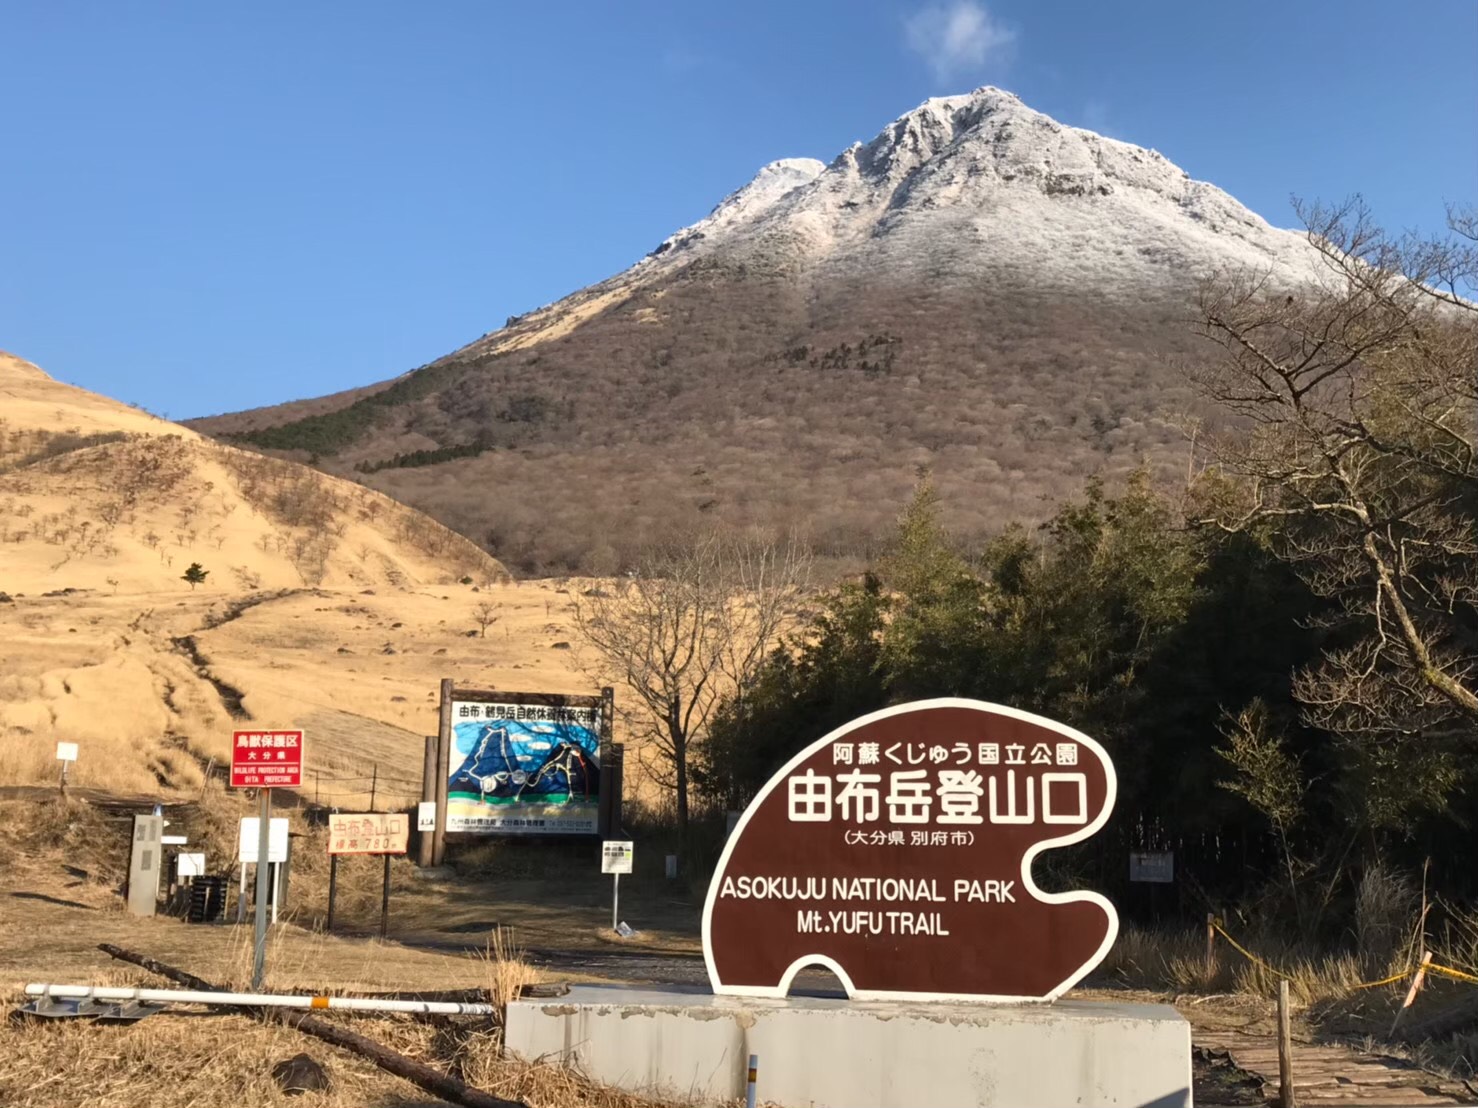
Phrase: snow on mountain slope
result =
(978, 288)
(770, 184)
(986, 186)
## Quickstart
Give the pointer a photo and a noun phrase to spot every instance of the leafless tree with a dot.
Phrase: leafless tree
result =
(1356, 455)
(485, 614)
(689, 627)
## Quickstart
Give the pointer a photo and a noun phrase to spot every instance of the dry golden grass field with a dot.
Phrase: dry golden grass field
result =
(325, 606)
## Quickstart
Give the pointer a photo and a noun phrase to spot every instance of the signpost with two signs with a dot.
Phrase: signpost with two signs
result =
(265, 760)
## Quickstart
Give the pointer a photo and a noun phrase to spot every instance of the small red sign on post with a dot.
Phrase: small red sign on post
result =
(266, 759)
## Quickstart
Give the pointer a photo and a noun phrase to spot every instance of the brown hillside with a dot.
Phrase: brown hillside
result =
(327, 606)
(979, 290)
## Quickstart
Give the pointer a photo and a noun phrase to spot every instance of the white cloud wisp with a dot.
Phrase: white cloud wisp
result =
(958, 38)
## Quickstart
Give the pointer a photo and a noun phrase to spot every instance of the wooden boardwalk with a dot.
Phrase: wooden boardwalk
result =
(1330, 1074)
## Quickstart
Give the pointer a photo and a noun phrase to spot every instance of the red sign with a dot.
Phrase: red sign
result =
(897, 853)
(266, 759)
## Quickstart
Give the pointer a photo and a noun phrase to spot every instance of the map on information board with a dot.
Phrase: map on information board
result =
(523, 768)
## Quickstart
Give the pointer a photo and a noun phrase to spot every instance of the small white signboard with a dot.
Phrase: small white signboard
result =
(246, 850)
(66, 752)
(191, 865)
(174, 840)
(1154, 867)
(616, 856)
(426, 815)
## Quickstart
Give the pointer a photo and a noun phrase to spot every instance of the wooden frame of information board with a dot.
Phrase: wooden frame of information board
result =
(608, 816)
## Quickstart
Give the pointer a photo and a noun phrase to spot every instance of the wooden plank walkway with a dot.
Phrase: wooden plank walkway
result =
(1330, 1074)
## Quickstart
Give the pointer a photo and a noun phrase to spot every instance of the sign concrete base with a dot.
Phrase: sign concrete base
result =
(814, 1052)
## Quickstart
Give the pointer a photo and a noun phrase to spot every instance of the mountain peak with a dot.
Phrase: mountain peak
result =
(977, 285)
(773, 181)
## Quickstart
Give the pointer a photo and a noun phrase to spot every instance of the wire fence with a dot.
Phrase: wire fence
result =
(328, 789)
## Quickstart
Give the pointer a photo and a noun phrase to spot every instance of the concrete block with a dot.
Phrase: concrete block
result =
(815, 1052)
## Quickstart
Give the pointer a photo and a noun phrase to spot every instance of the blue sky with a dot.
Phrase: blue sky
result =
(206, 207)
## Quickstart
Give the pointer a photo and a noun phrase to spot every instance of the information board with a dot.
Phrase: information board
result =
(525, 764)
(616, 856)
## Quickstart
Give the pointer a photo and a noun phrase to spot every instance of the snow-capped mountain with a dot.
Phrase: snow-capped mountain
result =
(979, 289)
(1012, 189)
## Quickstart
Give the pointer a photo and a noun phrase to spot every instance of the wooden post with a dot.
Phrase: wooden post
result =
(428, 795)
(604, 825)
(1416, 986)
(374, 783)
(1285, 1048)
(385, 902)
(333, 889)
(443, 764)
(1210, 947)
(618, 776)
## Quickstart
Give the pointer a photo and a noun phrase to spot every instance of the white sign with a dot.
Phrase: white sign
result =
(66, 752)
(616, 856)
(1155, 867)
(190, 865)
(174, 840)
(246, 850)
(426, 815)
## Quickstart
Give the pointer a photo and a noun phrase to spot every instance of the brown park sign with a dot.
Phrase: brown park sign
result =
(897, 852)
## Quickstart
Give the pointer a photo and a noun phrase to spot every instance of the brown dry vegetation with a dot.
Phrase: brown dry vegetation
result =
(61, 867)
(326, 606)
(746, 400)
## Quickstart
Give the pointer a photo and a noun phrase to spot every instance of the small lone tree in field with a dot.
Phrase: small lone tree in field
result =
(486, 614)
(195, 575)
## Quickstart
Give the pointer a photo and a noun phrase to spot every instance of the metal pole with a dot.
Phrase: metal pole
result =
(385, 902)
(374, 784)
(752, 1081)
(333, 889)
(264, 816)
(259, 1000)
(1285, 1048)
(615, 899)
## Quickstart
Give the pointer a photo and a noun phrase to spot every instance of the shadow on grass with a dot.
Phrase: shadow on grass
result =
(53, 900)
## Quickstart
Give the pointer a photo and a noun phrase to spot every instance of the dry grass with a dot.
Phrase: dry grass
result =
(175, 1061)
(504, 970)
(1175, 961)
